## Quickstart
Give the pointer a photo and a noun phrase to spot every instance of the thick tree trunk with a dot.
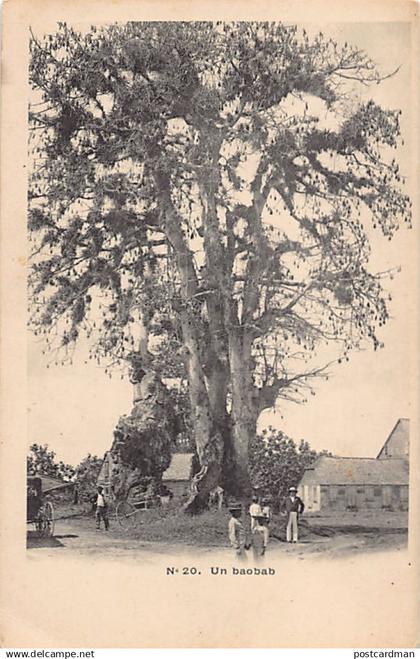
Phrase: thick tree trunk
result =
(208, 439)
(131, 465)
(240, 338)
(215, 354)
(244, 417)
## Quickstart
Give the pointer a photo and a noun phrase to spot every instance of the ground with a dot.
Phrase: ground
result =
(350, 582)
(170, 532)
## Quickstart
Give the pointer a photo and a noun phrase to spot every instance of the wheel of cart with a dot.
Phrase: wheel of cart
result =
(126, 513)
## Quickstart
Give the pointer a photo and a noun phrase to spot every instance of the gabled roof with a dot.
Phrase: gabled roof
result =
(397, 442)
(180, 468)
(103, 476)
(356, 471)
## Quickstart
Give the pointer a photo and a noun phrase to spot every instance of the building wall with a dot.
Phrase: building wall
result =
(397, 445)
(178, 488)
(363, 497)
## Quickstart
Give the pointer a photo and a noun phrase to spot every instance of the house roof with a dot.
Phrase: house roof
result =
(399, 435)
(356, 471)
(180, 468)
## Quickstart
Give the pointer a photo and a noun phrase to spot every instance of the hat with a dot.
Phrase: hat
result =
(292, 489)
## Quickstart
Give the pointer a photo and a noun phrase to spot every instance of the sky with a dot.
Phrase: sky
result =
(74, 409)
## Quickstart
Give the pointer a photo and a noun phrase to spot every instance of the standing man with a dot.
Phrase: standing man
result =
(236, 530)
(294, 507)
(258, 537)
(266, 516)
(101, 509)
(254, 511)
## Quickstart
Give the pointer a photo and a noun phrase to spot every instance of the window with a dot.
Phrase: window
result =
(377, 491)
(351, 498)
(404, 492)
(369, 493)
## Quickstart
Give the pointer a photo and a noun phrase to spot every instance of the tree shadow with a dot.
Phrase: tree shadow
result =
(34, 541)
(68, 535)
(356, 529)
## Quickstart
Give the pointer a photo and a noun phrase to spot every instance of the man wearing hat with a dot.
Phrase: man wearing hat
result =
(237, 534)
(294, 507)
(101, 509)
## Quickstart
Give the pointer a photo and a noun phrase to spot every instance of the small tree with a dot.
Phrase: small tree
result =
(276, 462)
(87, 474)
(41, 462)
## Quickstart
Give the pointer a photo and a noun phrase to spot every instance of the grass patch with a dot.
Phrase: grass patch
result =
(210, 528)
(173, 525)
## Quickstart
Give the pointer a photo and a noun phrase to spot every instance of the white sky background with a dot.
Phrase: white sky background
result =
(74, 409)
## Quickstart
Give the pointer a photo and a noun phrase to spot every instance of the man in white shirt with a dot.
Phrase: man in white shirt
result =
(254, 511)
(101, 509)
(266, 514)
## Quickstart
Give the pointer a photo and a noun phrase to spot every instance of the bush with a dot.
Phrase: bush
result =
(276, 463)
(87, 476)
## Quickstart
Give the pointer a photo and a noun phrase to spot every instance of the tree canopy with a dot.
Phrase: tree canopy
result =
(86, 480)
(276, 463)
(40, 461)
(202, 196)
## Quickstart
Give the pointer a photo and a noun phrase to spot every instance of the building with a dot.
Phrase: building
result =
(104, 477)
(355, 484)
(177, 477)
(397, 445)
(339, 483)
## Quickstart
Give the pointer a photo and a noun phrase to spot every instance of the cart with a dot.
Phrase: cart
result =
(39, 510)
(126, 511)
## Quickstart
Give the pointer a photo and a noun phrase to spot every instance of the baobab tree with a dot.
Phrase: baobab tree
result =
(205, 191)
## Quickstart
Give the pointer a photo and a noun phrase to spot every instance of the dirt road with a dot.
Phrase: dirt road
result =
(78, 536)
(112, 590)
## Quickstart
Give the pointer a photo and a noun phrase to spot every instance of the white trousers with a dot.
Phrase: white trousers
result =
(266, 535)
(292, 528)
